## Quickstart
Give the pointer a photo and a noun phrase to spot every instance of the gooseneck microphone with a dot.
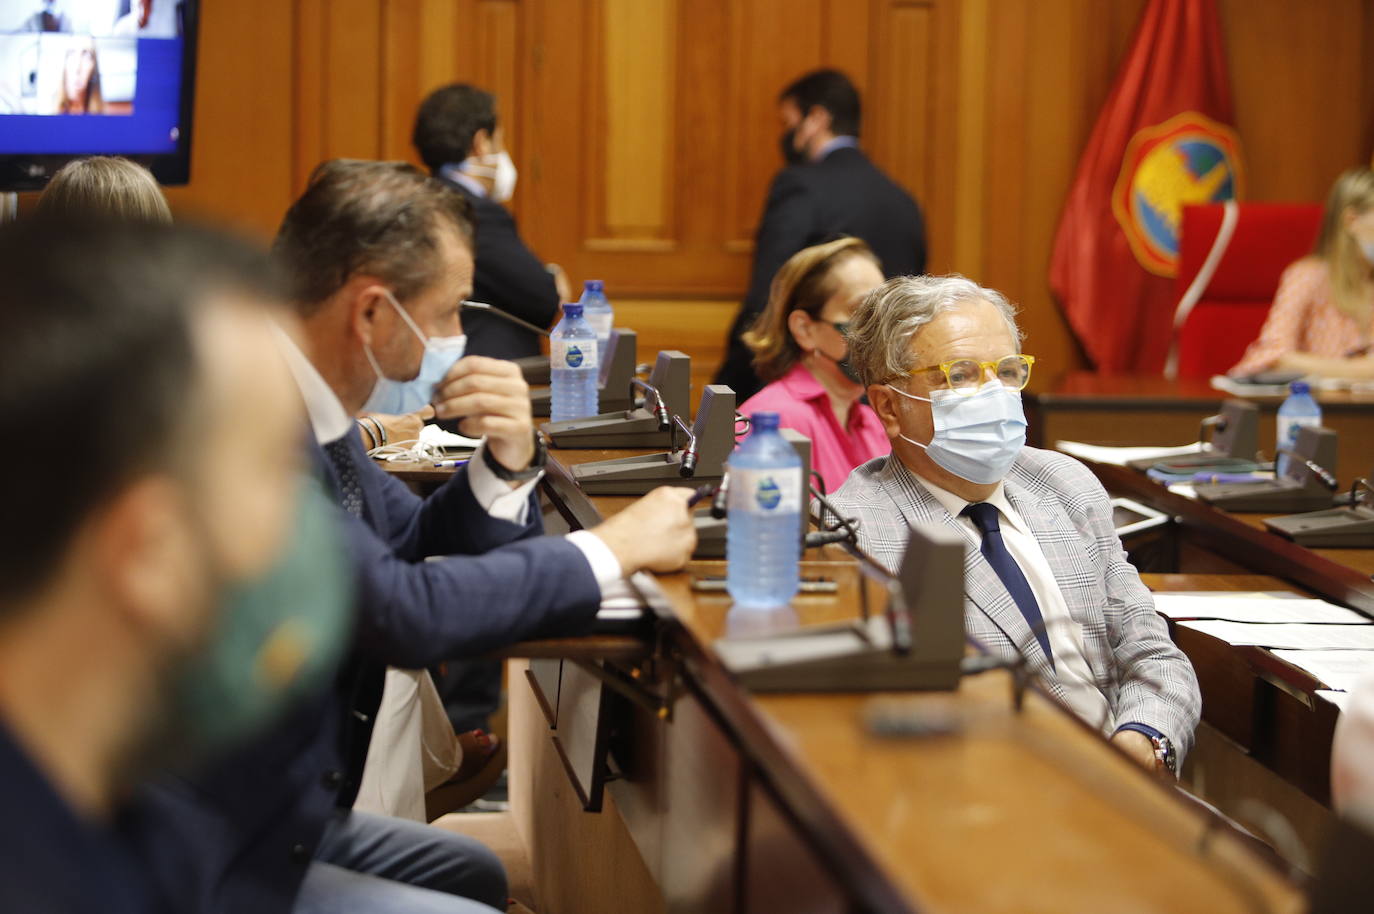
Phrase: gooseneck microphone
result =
(660, 410)
(504, 315)
(689, 452)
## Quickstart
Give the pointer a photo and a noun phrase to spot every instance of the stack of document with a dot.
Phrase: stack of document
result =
(1334, 644)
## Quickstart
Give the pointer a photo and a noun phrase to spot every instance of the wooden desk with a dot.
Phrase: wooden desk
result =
(723, 801)
(1146, 411)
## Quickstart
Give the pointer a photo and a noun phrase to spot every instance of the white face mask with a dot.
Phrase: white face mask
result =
(400, 397)
(978, 436)
(500, 168)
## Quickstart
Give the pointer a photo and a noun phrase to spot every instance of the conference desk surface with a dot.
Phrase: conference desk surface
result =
(1129, 410)
(789, 802)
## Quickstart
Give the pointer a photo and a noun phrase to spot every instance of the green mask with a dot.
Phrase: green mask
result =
(278, 637)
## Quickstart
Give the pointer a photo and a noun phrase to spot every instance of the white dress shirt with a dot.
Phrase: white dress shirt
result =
(1065, 634)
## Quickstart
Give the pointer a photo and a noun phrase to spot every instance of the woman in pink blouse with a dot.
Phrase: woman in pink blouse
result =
(800, 350)
(1322, 320)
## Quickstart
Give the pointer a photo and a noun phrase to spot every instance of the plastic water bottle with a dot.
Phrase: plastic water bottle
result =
(573, 362)
(763, 540)
(597, 310)
(1297, 412)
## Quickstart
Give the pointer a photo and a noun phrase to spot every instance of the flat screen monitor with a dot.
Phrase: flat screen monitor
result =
(95, 77)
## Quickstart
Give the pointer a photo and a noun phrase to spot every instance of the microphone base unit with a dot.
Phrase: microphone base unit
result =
(1299, 490)
(1273, 496)
(535, 369)
(711, 535)
(623, 428)
(1338, 528)
(852, 657)
(638, 475)
(541, 402)
(714, 431)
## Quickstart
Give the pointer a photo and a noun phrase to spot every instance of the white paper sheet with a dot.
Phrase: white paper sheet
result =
(433, 434)
(1339, 699)
(1120, 456)
(1295, 637)
(1239, 389)
(1338, 669)
(1255, 607)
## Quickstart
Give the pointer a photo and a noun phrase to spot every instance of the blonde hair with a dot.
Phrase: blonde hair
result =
(109, 188)
(1350, 280)
(93, 100)
(804, 283)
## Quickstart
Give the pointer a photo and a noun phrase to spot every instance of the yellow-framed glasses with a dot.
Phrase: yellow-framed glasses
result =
(966, 375)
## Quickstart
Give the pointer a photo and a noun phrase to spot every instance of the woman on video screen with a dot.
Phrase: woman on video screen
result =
(78, 91)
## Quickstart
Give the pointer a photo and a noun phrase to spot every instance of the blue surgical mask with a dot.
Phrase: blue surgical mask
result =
(977, 437)
(400, 397)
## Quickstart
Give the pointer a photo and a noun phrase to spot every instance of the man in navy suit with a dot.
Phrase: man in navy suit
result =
(460, 140)
(379, 257)
(828, 188)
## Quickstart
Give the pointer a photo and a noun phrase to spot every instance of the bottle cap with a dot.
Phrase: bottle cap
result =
(572, 309)
(764, 422)
(594, 285)
(1300, 387)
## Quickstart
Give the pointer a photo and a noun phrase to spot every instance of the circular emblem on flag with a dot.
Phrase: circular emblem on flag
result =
(1188, 159)
(769, 494)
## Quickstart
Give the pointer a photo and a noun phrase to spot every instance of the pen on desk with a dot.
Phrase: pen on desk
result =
(701, 492)
(450, 463)
(1226, 477)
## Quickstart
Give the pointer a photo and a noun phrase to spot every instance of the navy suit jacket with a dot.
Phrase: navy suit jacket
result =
(842, 194)
(508, 275)
(239, 836)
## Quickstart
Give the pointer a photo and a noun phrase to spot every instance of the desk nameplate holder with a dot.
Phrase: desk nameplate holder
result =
(925, 607)
(635, 427)
(711, 441)
(1300, 489)
(1235, 436)
(613, 382)
(711, 531)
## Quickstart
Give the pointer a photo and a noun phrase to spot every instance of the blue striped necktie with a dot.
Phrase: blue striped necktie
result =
(994, 549)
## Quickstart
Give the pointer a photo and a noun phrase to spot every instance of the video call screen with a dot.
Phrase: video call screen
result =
(90, 76)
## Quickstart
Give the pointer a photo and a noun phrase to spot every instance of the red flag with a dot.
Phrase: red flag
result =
(1162, 141)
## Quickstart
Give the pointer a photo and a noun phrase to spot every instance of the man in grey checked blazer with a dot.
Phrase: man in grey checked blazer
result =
(924, 346)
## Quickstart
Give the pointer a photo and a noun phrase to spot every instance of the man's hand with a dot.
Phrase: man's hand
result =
(492, 397)
(404, 428)
(653, 534)
(1141, 749)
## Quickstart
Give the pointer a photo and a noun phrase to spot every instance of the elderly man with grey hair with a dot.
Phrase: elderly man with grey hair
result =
(1045, 577)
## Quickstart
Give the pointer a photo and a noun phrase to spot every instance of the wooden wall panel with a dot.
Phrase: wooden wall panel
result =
(241, 163)
(633, 150)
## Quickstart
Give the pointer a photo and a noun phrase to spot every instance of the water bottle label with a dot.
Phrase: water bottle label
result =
(601, 323)
(766, 491)
(573, 354)
(1291, 425)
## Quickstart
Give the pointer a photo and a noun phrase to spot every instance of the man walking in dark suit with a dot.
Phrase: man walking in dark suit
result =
(828, 188)
(459, 139)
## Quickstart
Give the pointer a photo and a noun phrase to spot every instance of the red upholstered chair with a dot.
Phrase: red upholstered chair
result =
(1228, 317)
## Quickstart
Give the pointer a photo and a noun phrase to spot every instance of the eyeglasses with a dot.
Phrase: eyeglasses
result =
(966, 375)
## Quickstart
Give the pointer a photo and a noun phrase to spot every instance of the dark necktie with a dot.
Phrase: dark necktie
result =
(994, 549)
(350, 490)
